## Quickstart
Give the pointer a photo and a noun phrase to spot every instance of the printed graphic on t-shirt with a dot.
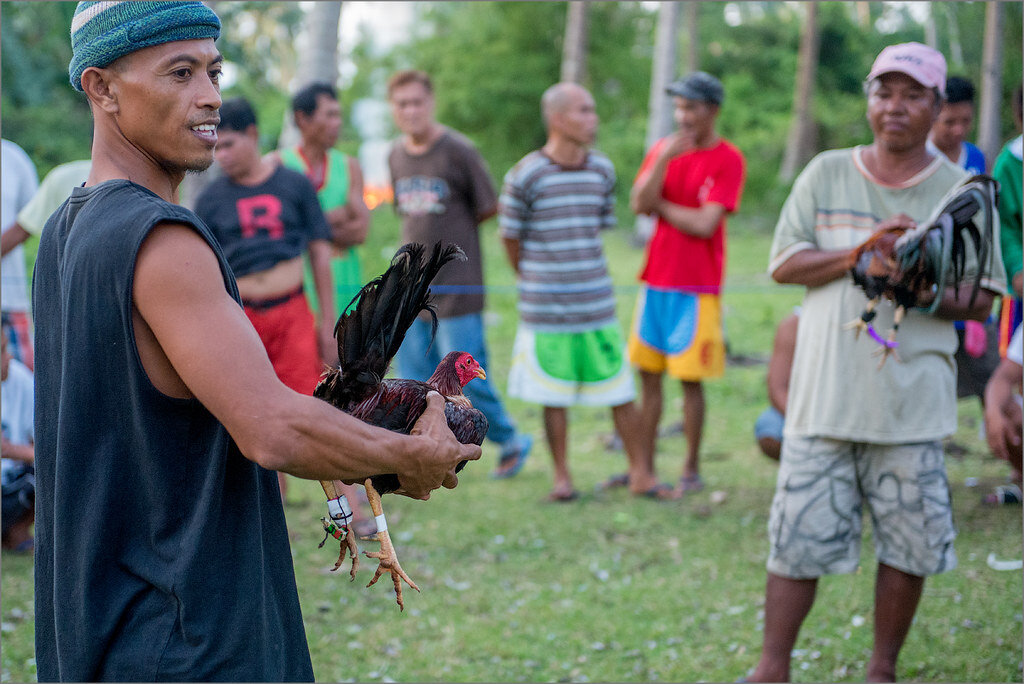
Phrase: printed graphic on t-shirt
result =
(260, 212)
(421, 195)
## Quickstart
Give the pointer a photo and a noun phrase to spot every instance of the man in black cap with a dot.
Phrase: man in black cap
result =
(689, 181)
(161, 547)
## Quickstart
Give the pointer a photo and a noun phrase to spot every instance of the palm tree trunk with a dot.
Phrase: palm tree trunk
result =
(574, 49)
(802, 140)
(659, 104)
(991, 79)
(318, 60)
(931, 37)
(956, 51)
(692, 36)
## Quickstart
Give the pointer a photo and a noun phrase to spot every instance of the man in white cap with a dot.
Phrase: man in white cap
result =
(858, 437)
(161, 547)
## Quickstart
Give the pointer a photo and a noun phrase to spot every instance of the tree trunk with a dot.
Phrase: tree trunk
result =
(659, 103)
(991, 80)
(318, 58)
(193, 184)
(802, 141)
(956, 51)
(574, 49)
(863, 13)
(931, 38)
(692, 36)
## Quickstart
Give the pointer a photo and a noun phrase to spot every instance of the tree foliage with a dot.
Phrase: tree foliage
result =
(491, 62)
(41, 111)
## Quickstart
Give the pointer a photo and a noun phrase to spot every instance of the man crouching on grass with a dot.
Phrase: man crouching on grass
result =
(161, 548)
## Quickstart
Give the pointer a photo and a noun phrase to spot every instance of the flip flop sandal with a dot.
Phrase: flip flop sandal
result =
(691, 484)
(614, 482)
(1004, 494)
(660, 492)
(518, 460)
(563, 497)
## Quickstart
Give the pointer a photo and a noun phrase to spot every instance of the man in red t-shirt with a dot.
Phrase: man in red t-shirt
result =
(689, 181)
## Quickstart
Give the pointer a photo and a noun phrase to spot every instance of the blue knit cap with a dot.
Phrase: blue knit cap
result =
(101, 32)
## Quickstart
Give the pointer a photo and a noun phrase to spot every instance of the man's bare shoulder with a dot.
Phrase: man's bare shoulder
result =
(178, 251)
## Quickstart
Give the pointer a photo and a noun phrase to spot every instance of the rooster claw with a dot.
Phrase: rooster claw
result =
(348, 546)
(857, 325)
(388, 562)
(885, 352)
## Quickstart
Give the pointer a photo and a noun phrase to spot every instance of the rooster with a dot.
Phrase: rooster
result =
(369, 334)
(901, 263)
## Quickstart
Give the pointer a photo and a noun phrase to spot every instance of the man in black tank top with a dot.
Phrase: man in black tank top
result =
(159, 419)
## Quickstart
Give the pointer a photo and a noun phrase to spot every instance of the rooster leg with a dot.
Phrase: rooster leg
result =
(337, 525)
(889, 345)
(386, 556)
(860, 324)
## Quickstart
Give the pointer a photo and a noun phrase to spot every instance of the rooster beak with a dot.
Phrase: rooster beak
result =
(481, 374)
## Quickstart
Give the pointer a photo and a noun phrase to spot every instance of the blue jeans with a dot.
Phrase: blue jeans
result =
(459, 333)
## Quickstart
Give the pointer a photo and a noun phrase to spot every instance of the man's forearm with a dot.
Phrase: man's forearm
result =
(25, 453)
(700, 222)
(512, 251)
(813, 267)
(320, 265)
(957, 304)
(348, 228)
(12, 237)
(646, 192)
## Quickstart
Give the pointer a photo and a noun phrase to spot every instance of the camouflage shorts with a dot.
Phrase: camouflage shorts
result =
(823, 485)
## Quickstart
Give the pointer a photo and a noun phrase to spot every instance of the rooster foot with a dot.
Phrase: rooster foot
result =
(388, 562)
(885, 351)
(862, 322)
(348, 545)
(337, 524)
(857, 325)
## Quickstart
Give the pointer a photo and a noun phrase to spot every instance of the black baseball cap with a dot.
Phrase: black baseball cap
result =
(699, 85)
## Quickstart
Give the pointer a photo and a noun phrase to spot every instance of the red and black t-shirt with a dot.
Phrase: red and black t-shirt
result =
(261, 225)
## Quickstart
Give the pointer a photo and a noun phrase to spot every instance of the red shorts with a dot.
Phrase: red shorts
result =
(19, 336)
(286, 327)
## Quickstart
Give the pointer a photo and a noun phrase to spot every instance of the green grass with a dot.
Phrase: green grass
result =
(610, 588)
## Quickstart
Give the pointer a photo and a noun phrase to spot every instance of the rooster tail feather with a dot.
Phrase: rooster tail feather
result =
(372, 328)
(937, 250)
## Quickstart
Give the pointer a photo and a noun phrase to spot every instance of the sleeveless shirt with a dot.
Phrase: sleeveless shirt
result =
(161, 551)
(332, 193)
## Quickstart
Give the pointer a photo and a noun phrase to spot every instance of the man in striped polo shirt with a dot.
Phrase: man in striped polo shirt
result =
(569, 348)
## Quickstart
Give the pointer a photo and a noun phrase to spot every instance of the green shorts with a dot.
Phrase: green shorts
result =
(569, 369)
(824, 485)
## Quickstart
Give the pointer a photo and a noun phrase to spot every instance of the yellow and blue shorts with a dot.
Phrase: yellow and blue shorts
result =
(571, 368)
(679, 333)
